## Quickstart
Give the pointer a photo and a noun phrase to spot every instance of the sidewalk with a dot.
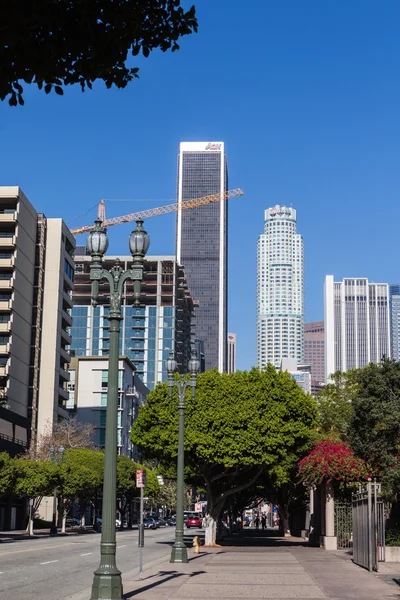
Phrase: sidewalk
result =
(283, 569)
(22, 534)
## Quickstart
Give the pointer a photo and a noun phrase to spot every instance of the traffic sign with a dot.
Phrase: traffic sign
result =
(140, 478)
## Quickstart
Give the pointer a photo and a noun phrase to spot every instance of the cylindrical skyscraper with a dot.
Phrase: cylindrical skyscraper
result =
(280, 289)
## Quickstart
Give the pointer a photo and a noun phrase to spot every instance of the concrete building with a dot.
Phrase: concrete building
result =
(300, 373)
(280, 289)
(201, 243)
(149, 333)
(314, 353)
(231, 352)
(31, 311)
(394, 293)
(88, 398)
(357, 323)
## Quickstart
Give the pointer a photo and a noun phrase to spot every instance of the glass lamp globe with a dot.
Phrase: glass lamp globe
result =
(97, 240)
(171, 363)
(194, 364)
(139, 240)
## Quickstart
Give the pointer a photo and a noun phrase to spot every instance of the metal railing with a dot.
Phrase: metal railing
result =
(343, 524)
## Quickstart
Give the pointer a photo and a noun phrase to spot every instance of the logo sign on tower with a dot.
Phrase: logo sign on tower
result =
(282, 210)
(211, 146)
(140, 478)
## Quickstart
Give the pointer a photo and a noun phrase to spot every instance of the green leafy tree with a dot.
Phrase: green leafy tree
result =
(335, 406)
(7, 474)
(237, 427)
(55, 44)
(374, 431)
(82, 473)
(34, 479)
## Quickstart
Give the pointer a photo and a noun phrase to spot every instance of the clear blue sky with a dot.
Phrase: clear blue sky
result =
(305, 95)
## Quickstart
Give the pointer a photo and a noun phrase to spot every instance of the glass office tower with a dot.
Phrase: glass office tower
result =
(202, 243)
(394, 291)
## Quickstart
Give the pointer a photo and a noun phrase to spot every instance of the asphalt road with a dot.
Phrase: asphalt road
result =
(54, 568)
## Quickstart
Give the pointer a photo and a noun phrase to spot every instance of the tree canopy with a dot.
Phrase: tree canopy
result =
(374, 431)
(237, 426)
(335, 406)
(55, 44)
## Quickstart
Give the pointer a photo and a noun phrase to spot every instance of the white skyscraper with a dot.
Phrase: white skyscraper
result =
(357, 324)
(231, 353)
(280, 289)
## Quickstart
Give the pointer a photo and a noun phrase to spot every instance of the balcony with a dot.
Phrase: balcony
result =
(66, 297)
(66, 336)
(65, 354)
(3, 370)
(64, 374)
(6, 284)
(4, 348)
(67, 317)
(7, 242)
(6, 262)
(8, 217)
(63, 393)
(5, 304)
(5, 327)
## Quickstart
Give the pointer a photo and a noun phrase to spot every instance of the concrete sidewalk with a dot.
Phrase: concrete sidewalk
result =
(287, 571)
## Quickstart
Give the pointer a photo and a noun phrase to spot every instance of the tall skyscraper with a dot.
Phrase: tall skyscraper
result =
(231, 352)
(201, 243)
(357, 327)
(314, 351)
(394, 292)
(280, 289)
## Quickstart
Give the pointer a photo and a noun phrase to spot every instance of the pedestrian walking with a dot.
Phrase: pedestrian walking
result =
(257, 522)
(263, 521)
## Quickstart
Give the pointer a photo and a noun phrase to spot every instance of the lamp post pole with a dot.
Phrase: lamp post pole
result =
(107, 583)
(179, 550)
(56, 456)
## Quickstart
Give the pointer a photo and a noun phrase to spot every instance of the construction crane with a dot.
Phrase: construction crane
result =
(160, 210)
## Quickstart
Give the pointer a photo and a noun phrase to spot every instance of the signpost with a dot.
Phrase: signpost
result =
(141, 483)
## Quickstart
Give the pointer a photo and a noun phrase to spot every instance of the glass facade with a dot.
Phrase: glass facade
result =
(202, 244)
(394, 291)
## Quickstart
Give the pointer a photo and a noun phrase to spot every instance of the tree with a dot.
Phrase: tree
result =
(374, 430)
(7, 474)
(237, 427)
(82, 477)
(68, 433)
(334, 462)
(335, 406)
(55, 44)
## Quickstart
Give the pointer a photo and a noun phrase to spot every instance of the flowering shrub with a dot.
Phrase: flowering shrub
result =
(332, 461)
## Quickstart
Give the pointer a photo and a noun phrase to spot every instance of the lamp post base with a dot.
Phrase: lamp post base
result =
(107, 586)
(179, 553)
(53, 530)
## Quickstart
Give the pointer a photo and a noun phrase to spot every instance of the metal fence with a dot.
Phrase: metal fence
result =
(368, 527)
(343, 524)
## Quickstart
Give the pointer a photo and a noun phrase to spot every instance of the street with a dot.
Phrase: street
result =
(53, 568)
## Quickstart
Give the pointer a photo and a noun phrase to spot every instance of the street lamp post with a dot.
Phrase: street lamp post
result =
(56, 456)
(179, 551)
(107, 583)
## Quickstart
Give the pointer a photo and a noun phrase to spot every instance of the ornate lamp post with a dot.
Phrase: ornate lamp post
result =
(56, 457)
(179, 551)
(107, 583)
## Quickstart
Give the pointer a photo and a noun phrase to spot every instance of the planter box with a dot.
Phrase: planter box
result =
(392, 553)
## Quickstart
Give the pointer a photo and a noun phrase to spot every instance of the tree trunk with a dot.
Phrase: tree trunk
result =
(210, 531)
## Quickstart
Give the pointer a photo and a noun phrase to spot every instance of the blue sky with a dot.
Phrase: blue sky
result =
(305, 95)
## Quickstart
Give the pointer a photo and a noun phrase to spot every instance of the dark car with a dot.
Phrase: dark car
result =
(161, 522)
(149, 523)
(193, 522)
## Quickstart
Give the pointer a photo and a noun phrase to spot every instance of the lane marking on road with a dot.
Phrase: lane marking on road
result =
(37, 548)
(48, 562)
(86, 554)
(124, 546)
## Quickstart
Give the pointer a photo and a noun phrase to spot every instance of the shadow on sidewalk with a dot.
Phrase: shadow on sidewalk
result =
(170, 575)
(256, 538)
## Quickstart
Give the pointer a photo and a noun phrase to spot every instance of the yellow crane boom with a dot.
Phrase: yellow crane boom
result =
(160, 210)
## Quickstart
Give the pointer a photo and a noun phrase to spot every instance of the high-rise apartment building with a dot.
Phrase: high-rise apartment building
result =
(231, 352)
(314, 351)
(280, 289)
(148, 333)
(201, 243)
(36, 277)
(357, 324)
(394, 292)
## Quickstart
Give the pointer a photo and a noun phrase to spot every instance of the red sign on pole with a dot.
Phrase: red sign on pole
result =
(140, 478)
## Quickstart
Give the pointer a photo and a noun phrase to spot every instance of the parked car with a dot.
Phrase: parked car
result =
(99, 520)
(161, 522)
(149, 523)
(193, 521)
(170, 521)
